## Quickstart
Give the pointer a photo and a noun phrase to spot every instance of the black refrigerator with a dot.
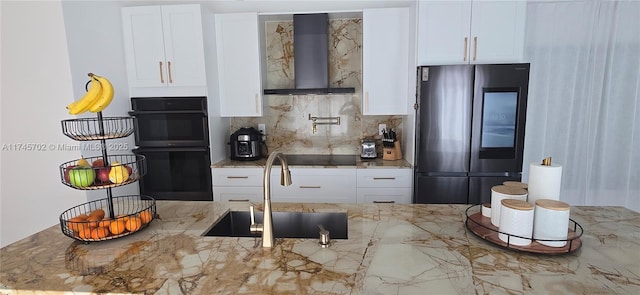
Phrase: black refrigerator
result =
(470, 131)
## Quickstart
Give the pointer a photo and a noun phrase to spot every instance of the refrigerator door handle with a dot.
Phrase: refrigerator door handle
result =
(446, 174)
(496, 174)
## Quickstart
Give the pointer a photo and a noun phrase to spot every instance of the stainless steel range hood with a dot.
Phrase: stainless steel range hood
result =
(311, 57)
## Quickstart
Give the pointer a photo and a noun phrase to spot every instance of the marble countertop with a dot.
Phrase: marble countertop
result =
(391, 249)
(360, 164)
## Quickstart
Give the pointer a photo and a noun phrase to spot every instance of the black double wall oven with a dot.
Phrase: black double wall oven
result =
(173, 134)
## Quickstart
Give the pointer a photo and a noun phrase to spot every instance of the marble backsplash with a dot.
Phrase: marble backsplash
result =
(286, 117)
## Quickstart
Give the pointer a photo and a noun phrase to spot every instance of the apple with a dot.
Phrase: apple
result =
(81, 176)
(102, 175)
(97, 163)
(129, 169)
(66, 172)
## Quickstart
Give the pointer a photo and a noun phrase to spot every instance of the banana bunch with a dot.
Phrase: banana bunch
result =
(97, 98)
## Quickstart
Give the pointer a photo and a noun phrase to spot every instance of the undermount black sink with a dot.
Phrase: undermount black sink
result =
(285, 224)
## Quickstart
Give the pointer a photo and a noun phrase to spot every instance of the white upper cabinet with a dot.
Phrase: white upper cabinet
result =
(479, 31)
(164, 50)
(385, 61)
(238, 58)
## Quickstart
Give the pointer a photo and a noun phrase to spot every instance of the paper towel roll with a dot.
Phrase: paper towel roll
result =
(544, 182)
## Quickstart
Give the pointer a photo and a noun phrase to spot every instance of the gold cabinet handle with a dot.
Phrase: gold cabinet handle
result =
(366, 101)
(475, 47)
(237, 177)
(465, 49)
(384, 202)
(384, 178)
(161, 76)
(169, 70)
(309, 186)
(257, 104)
(239, 200)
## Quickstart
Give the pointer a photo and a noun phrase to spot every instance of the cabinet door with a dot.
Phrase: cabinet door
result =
(443, 32)
(144, 46)
(385, 66)
(497, 31)
(183, 45)
(238, 58)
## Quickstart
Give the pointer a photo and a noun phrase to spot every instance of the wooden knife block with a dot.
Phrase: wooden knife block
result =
(392, 153)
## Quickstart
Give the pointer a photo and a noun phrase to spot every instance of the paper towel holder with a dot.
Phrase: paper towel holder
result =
(546, 161)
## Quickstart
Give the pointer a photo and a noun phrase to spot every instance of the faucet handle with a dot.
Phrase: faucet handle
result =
(254, 227)
(252, 214)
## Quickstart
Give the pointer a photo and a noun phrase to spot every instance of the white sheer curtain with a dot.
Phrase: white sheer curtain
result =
(584, 105)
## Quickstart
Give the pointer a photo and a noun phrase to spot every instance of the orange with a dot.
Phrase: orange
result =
(76, 223)
(124, 217)
(133, 224)
(117, 227)
(93, 220)
(99, 233)
(82, 216)
(105, 223)
(85, 233)
(146, 216)
(97, 212)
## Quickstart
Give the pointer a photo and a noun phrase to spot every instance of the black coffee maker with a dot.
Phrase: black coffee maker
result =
(246, 144)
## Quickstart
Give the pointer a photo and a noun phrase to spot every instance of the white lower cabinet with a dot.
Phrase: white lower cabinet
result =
(384, 186)
(237, 184)
(315, 185)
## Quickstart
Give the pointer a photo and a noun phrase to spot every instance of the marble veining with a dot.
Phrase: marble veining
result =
(286, 117)
(392, 249)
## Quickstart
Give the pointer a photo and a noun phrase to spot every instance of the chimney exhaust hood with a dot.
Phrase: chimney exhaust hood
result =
(311, 57)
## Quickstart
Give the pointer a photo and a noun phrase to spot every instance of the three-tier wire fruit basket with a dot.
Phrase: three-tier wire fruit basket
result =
(111, 217)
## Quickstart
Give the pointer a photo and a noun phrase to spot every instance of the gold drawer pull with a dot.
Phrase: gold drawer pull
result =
(475, 48)
(169, 70)
(465, 49)
(366, 101)
(309, 186)
(239, 200)
(257, 104)
(384, 178)
(384, 202)
(161, 76)
(237, 177)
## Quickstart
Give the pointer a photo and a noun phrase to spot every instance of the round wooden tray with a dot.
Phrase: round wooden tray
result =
(481, 226)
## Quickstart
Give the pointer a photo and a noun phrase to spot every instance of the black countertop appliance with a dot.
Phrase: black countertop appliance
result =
(246, 144)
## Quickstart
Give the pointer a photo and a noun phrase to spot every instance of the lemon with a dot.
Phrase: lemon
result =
(118, 173)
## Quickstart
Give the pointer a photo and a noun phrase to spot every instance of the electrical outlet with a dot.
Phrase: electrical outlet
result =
(262, 129)
(381, 127)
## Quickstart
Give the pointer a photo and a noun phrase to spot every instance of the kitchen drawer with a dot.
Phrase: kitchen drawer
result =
(384, 178)
(237, 194)
(237, 177)
(311, 185)
(384, 195)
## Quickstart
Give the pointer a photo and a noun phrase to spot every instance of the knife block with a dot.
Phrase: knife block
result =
(392, 153)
